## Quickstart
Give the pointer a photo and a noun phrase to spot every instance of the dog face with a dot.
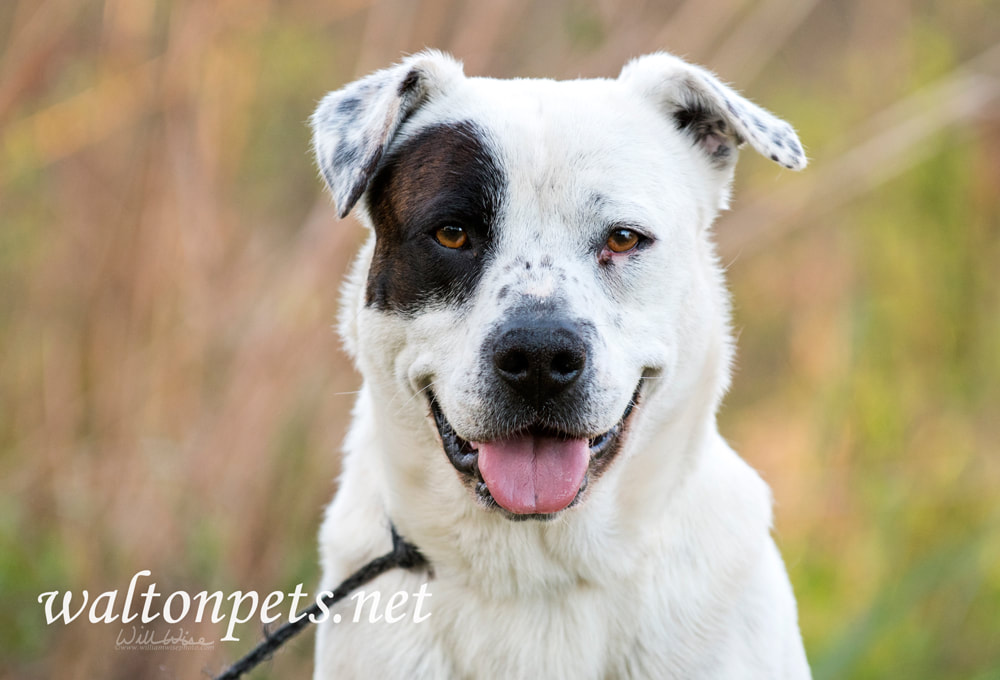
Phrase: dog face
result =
(540, 262)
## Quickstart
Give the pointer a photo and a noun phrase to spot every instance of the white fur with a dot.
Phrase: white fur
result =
(667, 568)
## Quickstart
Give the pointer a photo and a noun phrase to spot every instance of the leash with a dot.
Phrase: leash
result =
(403, 555)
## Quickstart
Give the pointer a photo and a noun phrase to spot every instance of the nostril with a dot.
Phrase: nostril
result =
(514, 362)
(567, 364)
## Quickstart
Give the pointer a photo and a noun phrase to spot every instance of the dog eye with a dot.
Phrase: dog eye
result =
(451, 236)
(622, 240)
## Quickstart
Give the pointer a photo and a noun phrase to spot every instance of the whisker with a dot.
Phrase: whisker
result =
(413, 396)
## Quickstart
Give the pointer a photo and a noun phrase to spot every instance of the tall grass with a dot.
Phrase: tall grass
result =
(172, 396)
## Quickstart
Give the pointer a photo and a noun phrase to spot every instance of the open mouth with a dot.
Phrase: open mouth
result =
(535, 472)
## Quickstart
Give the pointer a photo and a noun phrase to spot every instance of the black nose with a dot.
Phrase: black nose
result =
(539, 359)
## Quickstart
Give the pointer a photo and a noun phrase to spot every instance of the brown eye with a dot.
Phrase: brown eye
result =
(451, 236)
(622, 240)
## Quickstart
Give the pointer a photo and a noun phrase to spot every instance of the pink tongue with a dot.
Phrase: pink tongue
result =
(529, 475)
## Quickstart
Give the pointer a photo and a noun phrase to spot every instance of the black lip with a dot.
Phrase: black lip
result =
(465, 458)
(460, 452)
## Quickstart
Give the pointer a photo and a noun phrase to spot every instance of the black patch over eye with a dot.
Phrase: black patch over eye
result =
(433, 203)
(451, 236)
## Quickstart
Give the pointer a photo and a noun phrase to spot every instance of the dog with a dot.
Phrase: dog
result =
(543, 330)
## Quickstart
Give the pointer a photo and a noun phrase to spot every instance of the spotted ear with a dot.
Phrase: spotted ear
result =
(716, 117)
(353, 126)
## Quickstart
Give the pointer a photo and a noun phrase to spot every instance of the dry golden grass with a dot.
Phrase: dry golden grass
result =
(173, 396)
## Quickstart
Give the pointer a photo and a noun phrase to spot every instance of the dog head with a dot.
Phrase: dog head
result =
(540, 265)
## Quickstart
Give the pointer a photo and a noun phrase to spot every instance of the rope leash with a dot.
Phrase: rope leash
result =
(403, 555)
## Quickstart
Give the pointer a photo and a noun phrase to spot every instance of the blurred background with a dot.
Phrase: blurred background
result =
(173, 398)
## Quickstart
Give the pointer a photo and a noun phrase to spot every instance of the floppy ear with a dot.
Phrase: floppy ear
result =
(353, 126)
(717, 118)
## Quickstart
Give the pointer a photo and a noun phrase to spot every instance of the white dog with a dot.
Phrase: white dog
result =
(543, 329)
